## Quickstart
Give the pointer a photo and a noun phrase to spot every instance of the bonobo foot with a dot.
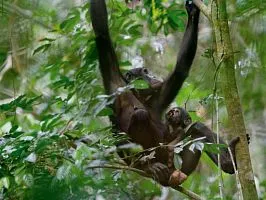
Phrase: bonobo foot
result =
(177, 178)
(159, 172)
(235, 140)
(164, 176)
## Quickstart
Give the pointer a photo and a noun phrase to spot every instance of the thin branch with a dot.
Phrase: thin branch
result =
(238, 184)
(221, 184)
(140, 172)
(23, 13)
(189, 193)
(203, 8)
(171, 144)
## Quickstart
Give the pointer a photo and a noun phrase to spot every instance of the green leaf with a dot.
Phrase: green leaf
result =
(140, 84)
(69, 23)
(105, 112)
(51, 122)
(136, 30)
(42, 48)
(28, 180)
(5, 182)
(47, 40)
(177, 161)
(214, 148)
(63, 172)
(21, 102)
(196, 145)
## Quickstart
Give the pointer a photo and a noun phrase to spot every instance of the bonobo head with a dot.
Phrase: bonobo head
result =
(177, 117)
(143, 73)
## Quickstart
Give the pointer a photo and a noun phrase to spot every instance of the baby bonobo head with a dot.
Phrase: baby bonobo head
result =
(178, 117)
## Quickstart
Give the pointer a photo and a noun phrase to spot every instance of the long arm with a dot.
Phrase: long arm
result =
(109, 67)
(200, 130)
(185, 58)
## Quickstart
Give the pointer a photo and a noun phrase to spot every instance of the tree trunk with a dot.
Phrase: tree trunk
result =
(225, 55)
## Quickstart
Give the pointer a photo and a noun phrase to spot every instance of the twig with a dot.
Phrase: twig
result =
(189, 193)
(24, 13)
(171, 144)
(140, 172)
(221, 184)
(239, 188)
(203, 8)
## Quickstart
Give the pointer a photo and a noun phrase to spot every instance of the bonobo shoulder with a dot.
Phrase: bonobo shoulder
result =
(198, 125)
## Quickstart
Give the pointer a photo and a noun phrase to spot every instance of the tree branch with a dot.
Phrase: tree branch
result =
(23, 13)
(189, 193)
(203, 8)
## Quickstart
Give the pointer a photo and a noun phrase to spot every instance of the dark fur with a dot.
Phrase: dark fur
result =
(180, 120)
(138, 112)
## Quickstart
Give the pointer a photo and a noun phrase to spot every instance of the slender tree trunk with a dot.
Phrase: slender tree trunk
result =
(225, 55)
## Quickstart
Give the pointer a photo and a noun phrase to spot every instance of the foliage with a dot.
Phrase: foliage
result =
(51, 135)
(57, 126)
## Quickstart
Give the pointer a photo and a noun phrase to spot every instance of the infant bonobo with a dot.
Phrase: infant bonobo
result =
(178, 121)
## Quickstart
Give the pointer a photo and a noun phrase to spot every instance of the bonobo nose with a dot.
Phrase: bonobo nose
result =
(135, 108)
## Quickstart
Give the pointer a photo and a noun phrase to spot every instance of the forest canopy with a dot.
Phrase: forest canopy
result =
(56, 139)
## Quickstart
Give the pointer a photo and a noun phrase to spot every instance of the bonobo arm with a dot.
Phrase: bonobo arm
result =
(185, 57)
(109, 67)
(200, 130)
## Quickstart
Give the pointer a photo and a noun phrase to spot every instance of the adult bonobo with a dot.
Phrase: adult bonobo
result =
(138, 112)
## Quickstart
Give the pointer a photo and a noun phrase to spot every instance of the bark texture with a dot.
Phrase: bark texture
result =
(225, 55)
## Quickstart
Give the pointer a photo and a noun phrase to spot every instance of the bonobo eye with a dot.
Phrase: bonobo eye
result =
(145, 71)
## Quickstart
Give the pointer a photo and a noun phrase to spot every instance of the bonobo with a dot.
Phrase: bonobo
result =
(178, 119)
(138, 112)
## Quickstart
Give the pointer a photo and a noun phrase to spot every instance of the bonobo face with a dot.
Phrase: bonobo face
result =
(173, 116)
(143, 73)
(178, 116)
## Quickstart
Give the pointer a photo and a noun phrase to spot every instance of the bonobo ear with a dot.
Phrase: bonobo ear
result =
(187, 121)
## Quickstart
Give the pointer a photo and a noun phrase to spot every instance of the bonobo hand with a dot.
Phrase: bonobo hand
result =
(235, 140)
(192, 9)
(248, 138)
(159, 172)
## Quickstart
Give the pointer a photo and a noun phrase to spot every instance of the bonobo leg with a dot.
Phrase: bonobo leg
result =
(159, 172)
(136, 121)
(190, 159)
